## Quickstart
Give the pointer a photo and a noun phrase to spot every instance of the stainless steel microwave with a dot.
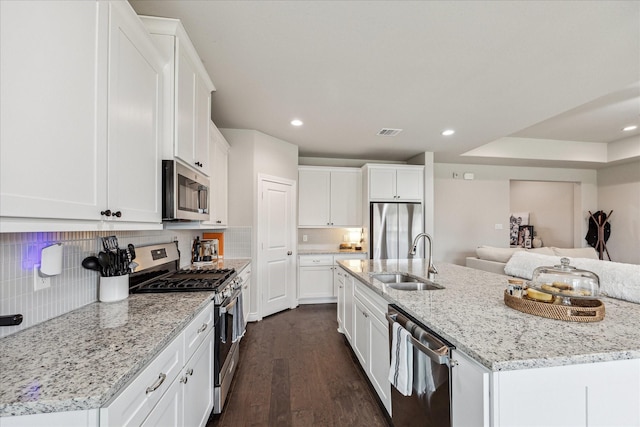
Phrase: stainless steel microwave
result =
(185, 193)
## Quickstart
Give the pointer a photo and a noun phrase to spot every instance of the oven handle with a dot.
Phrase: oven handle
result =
(234, 299)
(440, 355)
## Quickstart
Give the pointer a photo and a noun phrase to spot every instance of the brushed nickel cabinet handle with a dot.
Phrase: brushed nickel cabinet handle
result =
(157, 384)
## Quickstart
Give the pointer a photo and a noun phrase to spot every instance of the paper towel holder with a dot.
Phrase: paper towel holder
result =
(51, 260)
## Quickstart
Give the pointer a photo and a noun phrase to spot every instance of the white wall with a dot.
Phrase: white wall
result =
(551, 209)
(619, 190)
(467, 211)
(253, 153)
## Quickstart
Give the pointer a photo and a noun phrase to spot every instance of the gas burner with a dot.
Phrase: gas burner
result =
(159, 272)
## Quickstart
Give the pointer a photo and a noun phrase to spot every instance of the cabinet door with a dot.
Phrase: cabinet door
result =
(314, 198)
(338, 280)
(185, 111)
(346, 198)
(168, 411)
(349, 307)
(134, 136)
(382, 184)
(53, 109)
(361, 332)
(197, 380)
(219, 177)
(316, 282)
(470, 392)
(202, 121)
(246, 296)
(409, 184)
(379, 359)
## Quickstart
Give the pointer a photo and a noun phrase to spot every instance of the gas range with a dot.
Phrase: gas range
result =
(158, 272)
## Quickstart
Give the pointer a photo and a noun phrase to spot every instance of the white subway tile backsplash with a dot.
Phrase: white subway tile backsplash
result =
(237, 242)
(76, 286)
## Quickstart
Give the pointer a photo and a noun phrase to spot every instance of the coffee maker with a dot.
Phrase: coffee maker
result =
(204, 251)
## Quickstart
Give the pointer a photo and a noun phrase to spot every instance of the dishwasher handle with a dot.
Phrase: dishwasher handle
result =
(439, 355)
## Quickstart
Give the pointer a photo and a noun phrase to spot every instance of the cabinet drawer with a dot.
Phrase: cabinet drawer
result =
(374, 302)
(312, 260)
(342, 257)
(197, 331)
(137, 400)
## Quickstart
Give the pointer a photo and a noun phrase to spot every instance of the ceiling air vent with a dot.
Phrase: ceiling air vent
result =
(388, 132)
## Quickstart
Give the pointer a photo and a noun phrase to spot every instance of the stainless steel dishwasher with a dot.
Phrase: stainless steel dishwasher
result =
(429, 404)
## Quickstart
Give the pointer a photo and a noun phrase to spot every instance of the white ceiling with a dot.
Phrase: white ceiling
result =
(503, 73)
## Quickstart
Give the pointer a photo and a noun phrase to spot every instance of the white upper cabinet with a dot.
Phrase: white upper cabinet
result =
(329, 197)
(135, 105)
(188, 95)
(88, 74)
(219, 180)
(395, 183)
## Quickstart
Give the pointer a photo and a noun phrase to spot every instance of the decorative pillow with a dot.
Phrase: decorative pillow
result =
(576, 252)
(490, 253)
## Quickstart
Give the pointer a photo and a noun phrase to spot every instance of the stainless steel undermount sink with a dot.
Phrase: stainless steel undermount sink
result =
(406, 282)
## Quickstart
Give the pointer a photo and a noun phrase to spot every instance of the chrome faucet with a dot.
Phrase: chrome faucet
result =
(431, 271)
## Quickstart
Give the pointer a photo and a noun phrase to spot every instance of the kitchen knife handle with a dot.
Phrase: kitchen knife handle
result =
(12, 320)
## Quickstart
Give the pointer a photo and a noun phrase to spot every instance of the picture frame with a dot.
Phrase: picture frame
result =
(525, 236)
(516, 219)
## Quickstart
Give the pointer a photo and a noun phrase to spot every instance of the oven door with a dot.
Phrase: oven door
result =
(224, 334)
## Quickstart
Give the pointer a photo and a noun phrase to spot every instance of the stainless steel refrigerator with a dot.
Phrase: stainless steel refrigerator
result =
(392, 230)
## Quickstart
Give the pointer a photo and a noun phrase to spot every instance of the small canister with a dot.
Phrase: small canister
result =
(515, 287)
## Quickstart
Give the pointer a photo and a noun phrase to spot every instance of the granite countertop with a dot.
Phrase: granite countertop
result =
(471, 314)
(79, 360)
(329, 251)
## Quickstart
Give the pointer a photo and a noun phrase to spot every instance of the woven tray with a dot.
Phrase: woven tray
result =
(580, 310)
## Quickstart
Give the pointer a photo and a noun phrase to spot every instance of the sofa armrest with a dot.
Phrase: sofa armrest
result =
(485, 265)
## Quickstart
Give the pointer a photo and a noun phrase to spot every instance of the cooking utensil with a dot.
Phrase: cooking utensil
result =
(105, 263)
(91, 263)
(110, 243)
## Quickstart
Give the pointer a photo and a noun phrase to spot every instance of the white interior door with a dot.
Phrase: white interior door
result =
(276, 246)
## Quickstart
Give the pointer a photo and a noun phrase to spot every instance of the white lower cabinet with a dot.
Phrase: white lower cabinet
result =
(170, 391)
(349, 307)
(317, 277)
(470, 383)
(361, 318)
(245, 275)
(134, 404)
(593, 394)
(370, 339)
(197, 385)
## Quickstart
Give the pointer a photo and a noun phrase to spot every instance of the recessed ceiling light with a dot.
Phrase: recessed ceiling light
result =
(448, 132)
(629, 128)
(296, 122)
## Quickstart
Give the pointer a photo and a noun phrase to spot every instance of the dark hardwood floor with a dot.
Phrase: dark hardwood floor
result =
(295, 369)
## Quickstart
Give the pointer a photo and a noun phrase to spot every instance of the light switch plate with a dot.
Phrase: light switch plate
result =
(39, 282)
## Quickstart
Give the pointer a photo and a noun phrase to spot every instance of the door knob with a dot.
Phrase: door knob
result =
(289, 252)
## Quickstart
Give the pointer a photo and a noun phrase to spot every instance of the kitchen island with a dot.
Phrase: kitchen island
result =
(524, 357)
(80, 360)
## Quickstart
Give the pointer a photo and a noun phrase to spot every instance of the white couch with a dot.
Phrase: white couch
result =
(617, 280)
(492, 259)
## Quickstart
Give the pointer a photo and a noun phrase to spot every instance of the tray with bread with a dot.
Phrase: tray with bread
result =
(578, 309)
(560, 292)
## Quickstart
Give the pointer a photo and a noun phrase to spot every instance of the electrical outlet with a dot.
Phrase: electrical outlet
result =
(498, 226)
(39, 282)
(305, 238)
